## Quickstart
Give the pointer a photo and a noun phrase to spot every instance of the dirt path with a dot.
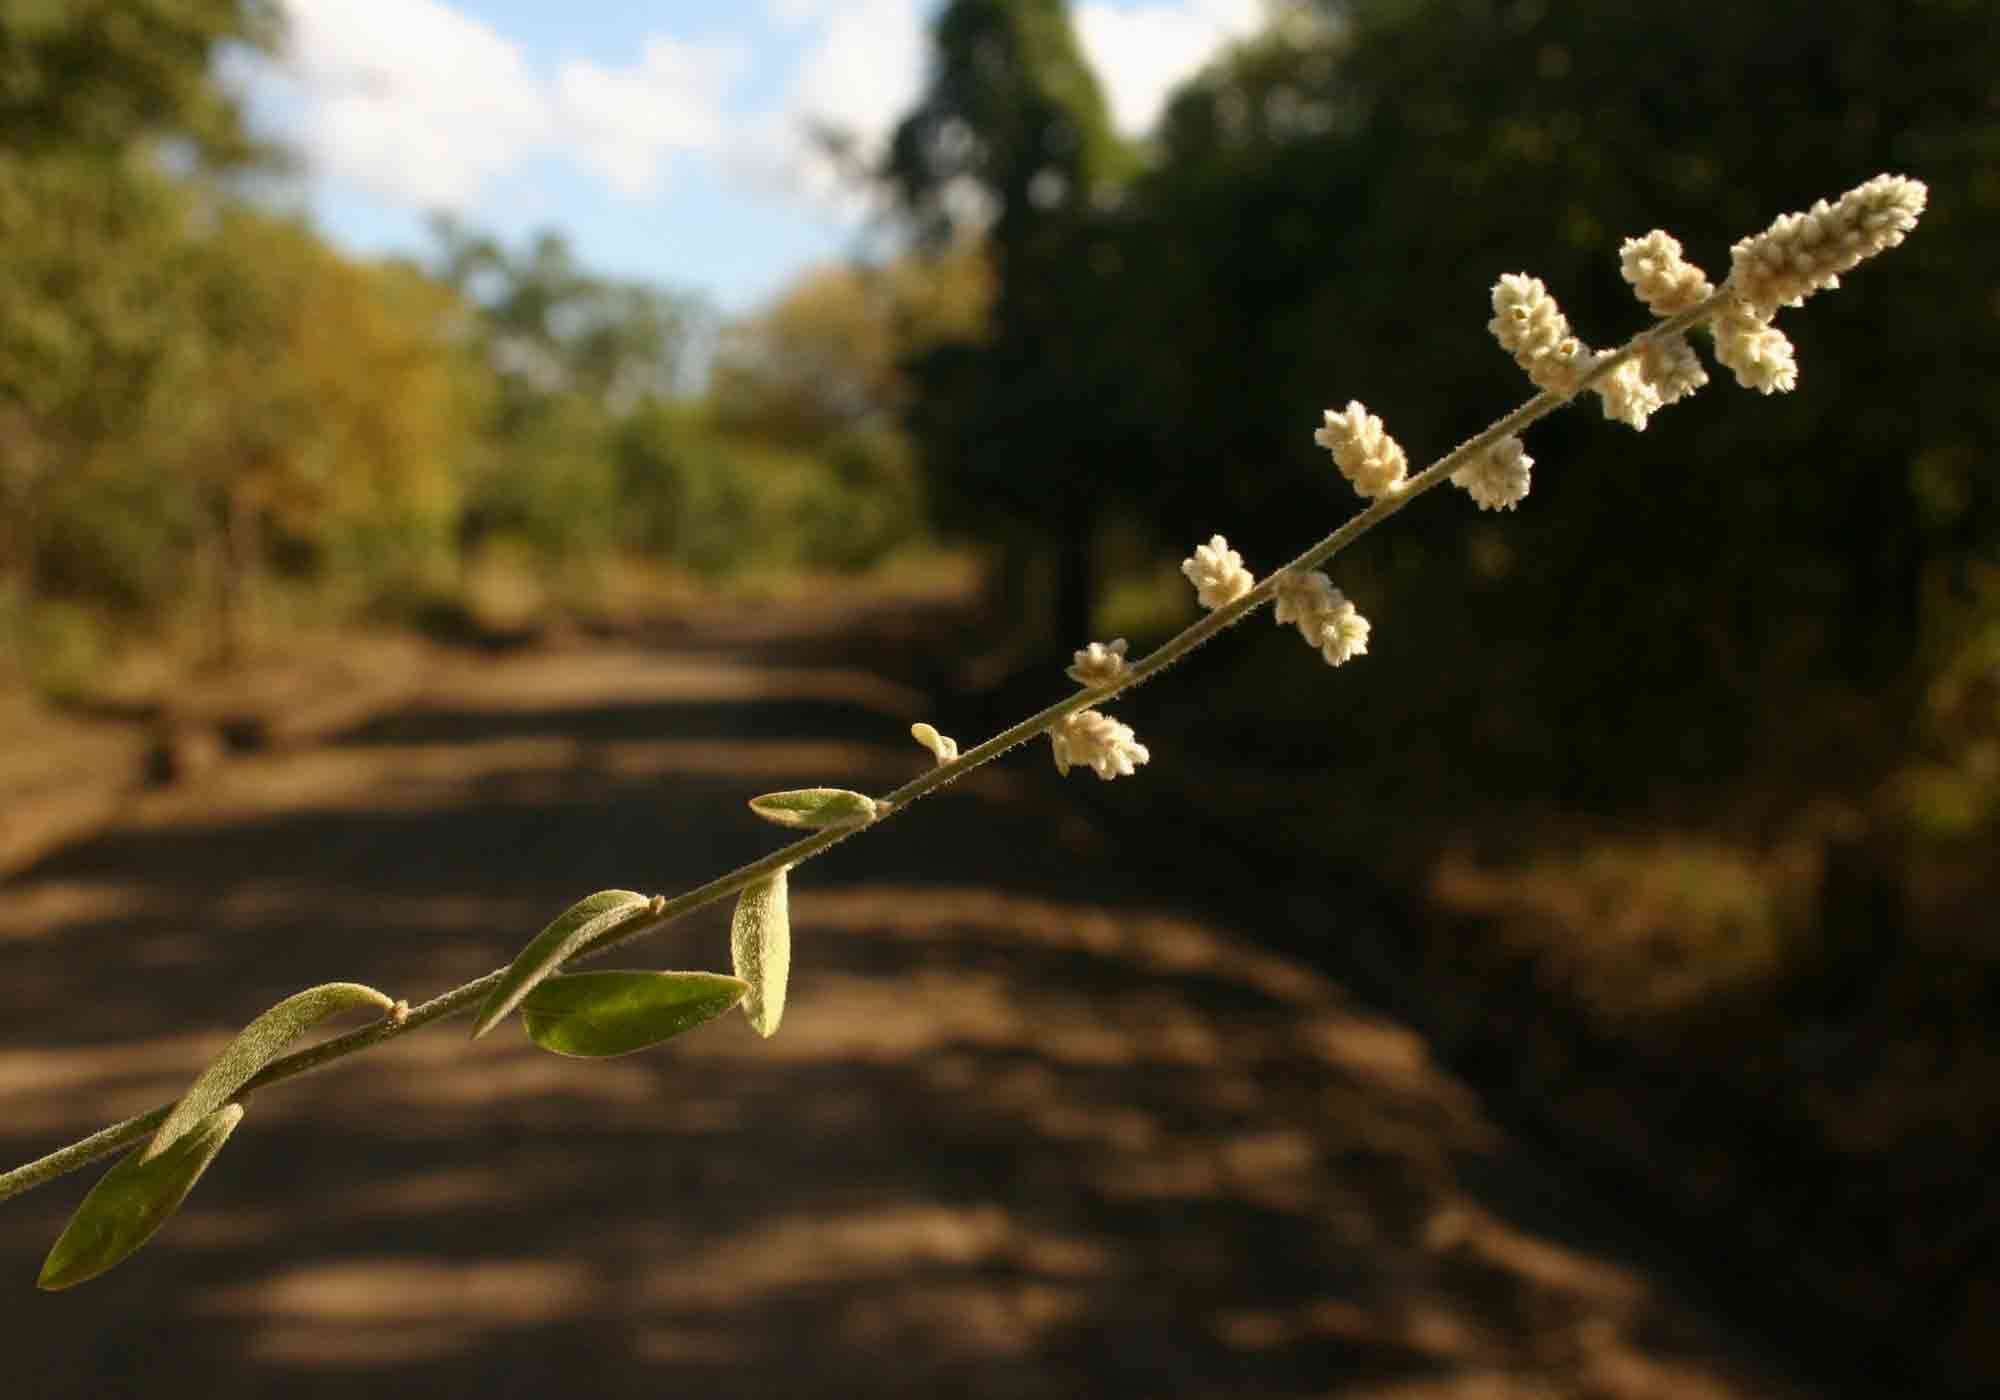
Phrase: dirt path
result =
(1031, 1128)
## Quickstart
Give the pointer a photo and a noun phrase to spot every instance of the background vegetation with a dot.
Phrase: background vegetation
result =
(1709, 731)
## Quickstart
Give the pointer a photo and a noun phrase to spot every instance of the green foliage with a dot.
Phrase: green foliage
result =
(583, 922)
(255, 1046)
(595, 1015)
(716, 502)
(1322, 216)
(811, 808)
(132, 1201)
(103, 75)
(201, 403)
(760, 945)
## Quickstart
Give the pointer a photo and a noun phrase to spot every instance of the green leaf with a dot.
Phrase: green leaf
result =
(760, 941)
(597, 1014)
(814, 807)
(568, 932)
(255, 1046)
(132, 1200)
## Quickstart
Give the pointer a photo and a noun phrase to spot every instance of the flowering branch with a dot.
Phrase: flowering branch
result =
(1798, 255)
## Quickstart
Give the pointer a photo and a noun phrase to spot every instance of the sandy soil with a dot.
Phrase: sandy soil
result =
(1035, 1124)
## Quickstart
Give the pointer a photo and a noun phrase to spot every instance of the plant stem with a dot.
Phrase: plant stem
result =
(463, 999)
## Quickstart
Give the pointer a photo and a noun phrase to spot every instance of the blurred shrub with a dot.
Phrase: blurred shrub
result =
(64, 650)
(716, 502)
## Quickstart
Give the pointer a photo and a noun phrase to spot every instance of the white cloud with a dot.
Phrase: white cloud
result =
(625, 123)
(1142, 53)
(424, 105)
(862, 69)
(427, 106)
(411, 99)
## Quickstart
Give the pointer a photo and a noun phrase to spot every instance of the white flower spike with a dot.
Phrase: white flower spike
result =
(1098, 742)
(1629, 396)
(1363, 450)
(1532, 328)
(1800, 254)
(1323, 615)
(1498, 478)
(1672, 368)
(1757, 352)
(1217, 573)
(1664, 280)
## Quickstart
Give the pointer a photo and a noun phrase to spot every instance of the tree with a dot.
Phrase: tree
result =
(1013, 131)
(102, 77)
(573, 354)
(93, 95)
(323, 399)
(828, 356)
(1325, 213)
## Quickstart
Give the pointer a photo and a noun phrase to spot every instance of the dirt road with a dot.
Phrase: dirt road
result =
(1033, 1126)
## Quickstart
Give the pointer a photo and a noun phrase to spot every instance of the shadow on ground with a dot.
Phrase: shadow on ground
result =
(1032, 1126)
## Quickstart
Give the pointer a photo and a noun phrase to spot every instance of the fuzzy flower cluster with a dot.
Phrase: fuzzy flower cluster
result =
(1800, 254)
(1667, 370)
(1757, 352)
(1665, 280)
(1498, 477)
(1323, 615)
(1217, 573)
(1745, 341)
(1100, 663)
(1629, 397)
(1098, 742)
(1363, 450)
(1532, 328)
(1672, 368)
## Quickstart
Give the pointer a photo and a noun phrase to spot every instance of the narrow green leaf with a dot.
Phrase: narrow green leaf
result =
(760, 941)
(255, 1046)
(814, 807)
(569, 931)
(598, 1014)
(133, 1200)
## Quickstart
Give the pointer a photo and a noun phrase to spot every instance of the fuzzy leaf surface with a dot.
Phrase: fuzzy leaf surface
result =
(593, 1015)
(577, 925)
(255, 1046)
(760, 942)
(132, 1201)
(812, 808)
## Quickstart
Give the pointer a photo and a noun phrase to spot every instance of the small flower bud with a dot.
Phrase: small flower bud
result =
(1217, 573)
(1800, 254)
(1098, 742)
(1363, 450)
(1663, 279)
(1323, 615)
(1099, 663)
(1532, 328)
(1498, 478)
(943, 748)
(1759, 353)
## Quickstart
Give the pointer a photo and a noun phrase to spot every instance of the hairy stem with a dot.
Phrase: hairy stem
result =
(460, 1000)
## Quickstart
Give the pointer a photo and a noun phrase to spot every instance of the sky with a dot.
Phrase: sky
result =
(666, 138)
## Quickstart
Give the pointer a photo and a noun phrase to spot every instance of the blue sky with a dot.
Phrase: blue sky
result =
(664, 136)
